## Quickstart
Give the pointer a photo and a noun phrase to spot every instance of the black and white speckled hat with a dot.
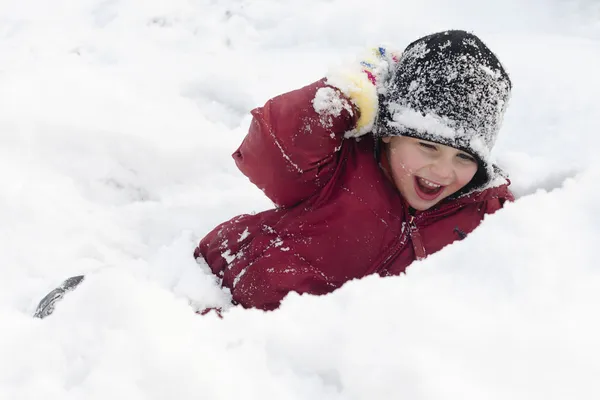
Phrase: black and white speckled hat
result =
(447, 88)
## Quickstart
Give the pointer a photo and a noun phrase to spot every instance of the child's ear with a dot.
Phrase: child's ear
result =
(386, 139)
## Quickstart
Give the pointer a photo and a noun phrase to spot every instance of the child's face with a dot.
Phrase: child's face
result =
(425, 172)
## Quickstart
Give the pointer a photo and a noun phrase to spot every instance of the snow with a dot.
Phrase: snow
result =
(244, 235)
(117, 123)
(327, 101)
(406, 117)
(328, 104)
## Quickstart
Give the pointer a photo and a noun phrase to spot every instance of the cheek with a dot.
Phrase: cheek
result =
(405, 163)
(465, 174)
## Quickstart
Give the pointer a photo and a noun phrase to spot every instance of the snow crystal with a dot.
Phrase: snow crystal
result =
(239, 276)
(470, 42)
(277, 242)
(285, 155)
(269, 229)
(418, 51)
(228, 256)
(445, 45)
(414, 85)
(244, 235)
(495, 74)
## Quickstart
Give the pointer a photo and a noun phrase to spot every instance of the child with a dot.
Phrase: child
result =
(370, 171)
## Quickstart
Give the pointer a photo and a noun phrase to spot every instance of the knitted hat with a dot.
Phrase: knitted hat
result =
(447, 88)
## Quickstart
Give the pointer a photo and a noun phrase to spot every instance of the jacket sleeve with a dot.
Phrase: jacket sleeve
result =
(264, 287)
(291, 146)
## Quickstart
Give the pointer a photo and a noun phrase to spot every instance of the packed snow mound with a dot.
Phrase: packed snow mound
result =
(117, 123)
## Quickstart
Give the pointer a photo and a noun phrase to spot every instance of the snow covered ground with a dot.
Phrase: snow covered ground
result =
(117, 121)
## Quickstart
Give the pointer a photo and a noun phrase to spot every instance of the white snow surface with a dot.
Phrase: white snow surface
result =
(406, 117)
(117, 121)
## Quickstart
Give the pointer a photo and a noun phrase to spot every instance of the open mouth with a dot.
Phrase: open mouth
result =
(426, 189)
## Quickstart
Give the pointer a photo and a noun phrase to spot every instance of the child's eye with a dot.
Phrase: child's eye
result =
(466, 157)
(428, 146)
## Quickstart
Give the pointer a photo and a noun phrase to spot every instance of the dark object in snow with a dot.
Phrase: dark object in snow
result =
(460, 233)
(46, 306)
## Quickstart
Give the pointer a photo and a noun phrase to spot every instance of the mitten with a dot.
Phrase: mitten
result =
(361, 83)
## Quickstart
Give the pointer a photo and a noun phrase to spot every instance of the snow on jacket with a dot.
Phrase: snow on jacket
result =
(339, 217)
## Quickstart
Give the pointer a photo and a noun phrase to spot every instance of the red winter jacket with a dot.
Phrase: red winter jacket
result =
(339, 216)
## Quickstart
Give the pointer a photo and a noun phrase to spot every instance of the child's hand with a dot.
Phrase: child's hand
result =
(361, 84)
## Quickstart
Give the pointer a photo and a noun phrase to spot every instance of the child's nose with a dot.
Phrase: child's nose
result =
(442, 170)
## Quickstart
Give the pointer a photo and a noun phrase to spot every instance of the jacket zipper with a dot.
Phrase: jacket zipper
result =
(381, 264)
(415, 238)
(415, 235)
(412, 233)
